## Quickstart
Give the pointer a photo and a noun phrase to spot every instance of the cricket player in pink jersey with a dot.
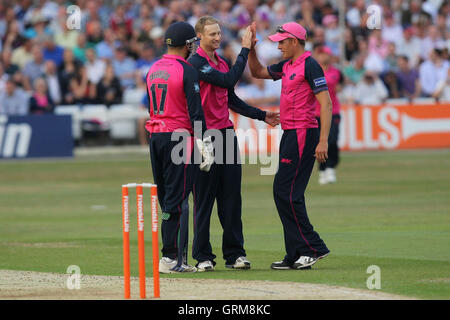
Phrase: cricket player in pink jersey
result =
(223, 182)
(334, 78)
(303, 83)
(174, 105)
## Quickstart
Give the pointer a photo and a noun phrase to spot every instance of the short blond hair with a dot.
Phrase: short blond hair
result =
(204, 21)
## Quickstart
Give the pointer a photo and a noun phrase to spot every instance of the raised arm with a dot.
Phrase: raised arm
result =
(225, 80)
(256, 68)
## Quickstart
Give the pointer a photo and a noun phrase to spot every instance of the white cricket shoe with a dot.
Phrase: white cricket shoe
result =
(323, 177)
(205, 266)
(166, 264)
(240, 263)
(331, 175)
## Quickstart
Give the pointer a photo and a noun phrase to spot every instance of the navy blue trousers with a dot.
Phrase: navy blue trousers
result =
(296, 162)
(174, 183)
(222, 184)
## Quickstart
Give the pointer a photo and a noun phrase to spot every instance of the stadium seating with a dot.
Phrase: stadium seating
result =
(123, 121)
(398, 101)
(133, 96)
(75, 112)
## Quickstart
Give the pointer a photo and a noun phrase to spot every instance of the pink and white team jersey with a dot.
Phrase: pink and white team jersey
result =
(333, 77)
(301, 81)
(174, 96)
(217, 83)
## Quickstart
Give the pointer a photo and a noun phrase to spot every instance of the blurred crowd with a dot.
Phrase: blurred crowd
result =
(44, 62)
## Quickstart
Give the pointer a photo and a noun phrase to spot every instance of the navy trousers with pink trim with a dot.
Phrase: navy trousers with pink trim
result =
(296, 163)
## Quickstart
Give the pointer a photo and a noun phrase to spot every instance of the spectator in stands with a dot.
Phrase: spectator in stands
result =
(108, 89)
(377, 45)
(147, 58)
(371, 90)
(432, 72)
(392, 84)
(8, 66)
(41, 101)
(12, 38)
(81, 90)
(281, 13)
(391, 31)
(120, 19)
(229, 25)
(145, 14)
(356, 70)
(65, 37)
(22, 55)
(14, 100)
(52, 51)
(39, 27)
(174, 13)
(409, 46)
(408, 78)
(67, 72)
(95, 15)
(355, 14)
(333, 33)
(34, 69)
(157, 36)
(351, 45)
(390, 61)
(53, 82)
(124, 68)
(80, 49)
(94, 33)
(95, 67)
(106, 48)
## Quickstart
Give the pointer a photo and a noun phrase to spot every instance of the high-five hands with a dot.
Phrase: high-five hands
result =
(254, 40)
(247, 38)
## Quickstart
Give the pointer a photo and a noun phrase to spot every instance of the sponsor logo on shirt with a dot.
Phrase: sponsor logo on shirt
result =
(287, 161)
(196, 87)
(292, 76)
(206, 69)
(320, 81)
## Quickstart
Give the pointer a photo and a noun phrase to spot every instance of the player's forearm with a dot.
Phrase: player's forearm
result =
(256, 68)
(325, 117)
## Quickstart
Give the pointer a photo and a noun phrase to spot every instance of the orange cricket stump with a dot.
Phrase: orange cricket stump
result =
(155, 249)
(126, 242)
(141, 239)
(141, 243)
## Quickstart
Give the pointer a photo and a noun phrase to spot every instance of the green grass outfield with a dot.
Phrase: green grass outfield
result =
(390, 209)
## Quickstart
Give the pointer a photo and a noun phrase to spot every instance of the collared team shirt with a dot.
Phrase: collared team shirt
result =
(217, 83)
(215, 98)
(174, 96)
(301, 81)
